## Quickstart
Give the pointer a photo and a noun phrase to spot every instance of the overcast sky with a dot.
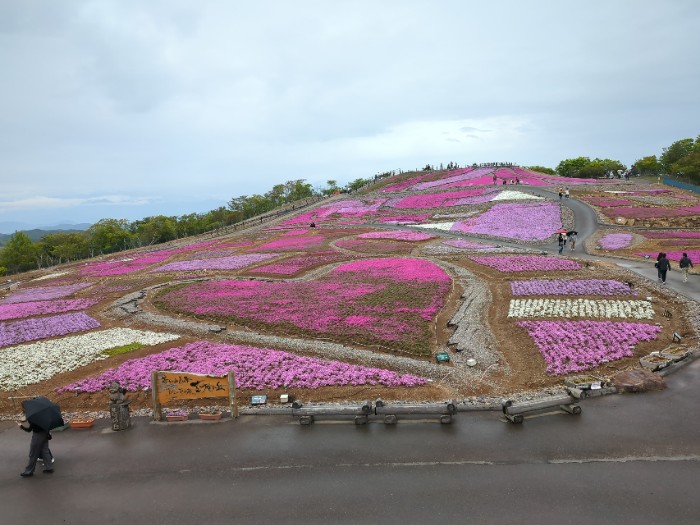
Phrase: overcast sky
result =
(128, 109)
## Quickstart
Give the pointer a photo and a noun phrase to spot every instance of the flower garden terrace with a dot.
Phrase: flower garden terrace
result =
(357, 306)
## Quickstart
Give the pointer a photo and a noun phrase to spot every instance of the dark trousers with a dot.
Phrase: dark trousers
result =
(662, 275)
(39, 447)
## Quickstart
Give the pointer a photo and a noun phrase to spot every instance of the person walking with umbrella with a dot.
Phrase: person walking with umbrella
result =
(42, 416)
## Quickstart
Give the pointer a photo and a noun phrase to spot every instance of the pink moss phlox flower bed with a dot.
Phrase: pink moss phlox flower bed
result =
(469, 245)
(607, 287)
(212, 254)
(121, 267)
(671, 235)
(386, 300)
(296, 231)
(337, 210)
(255, 369)
(404, 219)
(606, 202)
(437, 200)
(575, 346)
(615, 241)
(526, 222)
(676, 256)
(32, 308)
(525, 263)
(400, 186)
(655, 212)
(43, 293)
(233, 262)
(43, 327)
(457, 177)
(294, 243)
(397, 235)
(375, 246)
(296, 264)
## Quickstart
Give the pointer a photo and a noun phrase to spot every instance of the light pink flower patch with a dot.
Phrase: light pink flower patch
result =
(526, 263)
(397, 235)
(468, 245)
(233, 262)
(526, 222)
(43, 293)
(615, 241)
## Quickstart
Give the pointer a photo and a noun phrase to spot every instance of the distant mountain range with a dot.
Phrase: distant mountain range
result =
(9, 227)
(34, 233)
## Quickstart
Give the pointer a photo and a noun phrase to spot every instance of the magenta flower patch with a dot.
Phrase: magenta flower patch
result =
(443, 199)
(294, 243)
(126, 265)
(32, 308)
(43, 327)
(575, 346)
(526, 263)
(296, 264)
(255, 369)
(377, 301)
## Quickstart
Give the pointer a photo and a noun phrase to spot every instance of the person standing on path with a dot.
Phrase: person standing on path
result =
(39, 446)
(656, 265)
(685, 265)
(664, 266)
(572, 241)
(561, 243)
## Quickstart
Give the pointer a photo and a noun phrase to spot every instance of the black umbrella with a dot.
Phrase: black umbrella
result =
(43, 413)
(572, 232)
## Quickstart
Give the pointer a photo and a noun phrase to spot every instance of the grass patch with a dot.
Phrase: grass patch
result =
(118, 350)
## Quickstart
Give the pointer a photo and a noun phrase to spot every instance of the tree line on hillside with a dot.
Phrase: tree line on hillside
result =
(21, 253)
(680, 160)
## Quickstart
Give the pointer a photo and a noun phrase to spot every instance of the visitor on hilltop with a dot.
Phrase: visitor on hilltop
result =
(663, 266)
(494, 179)
(685, 265)
(560, 240)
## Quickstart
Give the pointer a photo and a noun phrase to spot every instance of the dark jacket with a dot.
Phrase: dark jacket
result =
(685, 262)
(664, 265)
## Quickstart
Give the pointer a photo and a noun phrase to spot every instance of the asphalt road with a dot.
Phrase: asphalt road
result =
(626, 459)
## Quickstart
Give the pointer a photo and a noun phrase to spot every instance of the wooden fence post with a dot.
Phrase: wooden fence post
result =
(157, 412)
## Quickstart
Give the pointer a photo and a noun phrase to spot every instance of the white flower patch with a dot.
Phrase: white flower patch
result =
(568, 308)
(511, 195)
(32, 363)
(447, 226)
(50, 276)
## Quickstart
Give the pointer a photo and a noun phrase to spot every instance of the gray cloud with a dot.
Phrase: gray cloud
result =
(175, 104)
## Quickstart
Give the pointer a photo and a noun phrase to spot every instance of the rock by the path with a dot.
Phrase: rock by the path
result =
(638, 380)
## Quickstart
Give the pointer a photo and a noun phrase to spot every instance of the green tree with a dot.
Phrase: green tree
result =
(155, 230)
(61, 247)
(674, 153)
(109, 235)
(647, 166)
(357, 184)
(572, 167)
(688, 166)
(598, 168)
(541, 169)
(19, 254)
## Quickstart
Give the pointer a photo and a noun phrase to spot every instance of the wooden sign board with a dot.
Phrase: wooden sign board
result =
(174, 386)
